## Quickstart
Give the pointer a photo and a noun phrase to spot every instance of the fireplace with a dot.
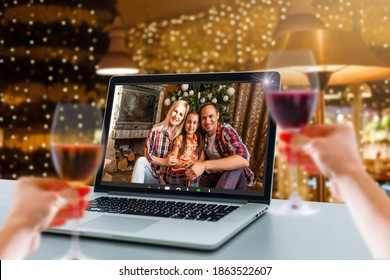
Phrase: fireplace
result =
(136, 109)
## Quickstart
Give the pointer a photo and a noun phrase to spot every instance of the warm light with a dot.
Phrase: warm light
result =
(340, 118)
(117, 61)
(300, 16)
(117, 71)
(341, 53)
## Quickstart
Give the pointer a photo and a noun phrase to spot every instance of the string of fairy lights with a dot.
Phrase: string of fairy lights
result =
(48, 53)
(237, 35)
(49, 49)
(223, 38)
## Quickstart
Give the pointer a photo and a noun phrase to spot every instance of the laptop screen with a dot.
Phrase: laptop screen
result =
(190, 134)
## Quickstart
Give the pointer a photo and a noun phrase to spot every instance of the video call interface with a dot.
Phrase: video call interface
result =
(224, 120)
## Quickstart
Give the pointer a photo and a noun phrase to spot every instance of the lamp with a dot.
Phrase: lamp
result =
(341, 58)
(338, 53)
(300, 16)
(117, 61)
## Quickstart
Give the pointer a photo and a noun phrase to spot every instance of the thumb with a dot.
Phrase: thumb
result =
(300, 142)
(68, 196)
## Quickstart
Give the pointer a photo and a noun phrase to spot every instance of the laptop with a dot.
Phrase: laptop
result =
(155, 214)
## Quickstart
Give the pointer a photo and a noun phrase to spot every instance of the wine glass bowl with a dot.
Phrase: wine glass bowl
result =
(76, 150)
(293, 106)
(291, 109)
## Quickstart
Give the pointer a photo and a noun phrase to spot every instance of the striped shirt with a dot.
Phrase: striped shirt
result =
(228, 143)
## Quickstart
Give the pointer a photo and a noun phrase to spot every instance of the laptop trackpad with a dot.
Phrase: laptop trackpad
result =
(118, 224)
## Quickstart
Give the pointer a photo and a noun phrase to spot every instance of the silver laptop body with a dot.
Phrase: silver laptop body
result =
(124, 129)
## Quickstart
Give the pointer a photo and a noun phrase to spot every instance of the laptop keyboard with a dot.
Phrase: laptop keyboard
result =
(161, 208)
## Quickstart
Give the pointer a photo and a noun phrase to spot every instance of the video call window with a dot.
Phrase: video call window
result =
(139, 123)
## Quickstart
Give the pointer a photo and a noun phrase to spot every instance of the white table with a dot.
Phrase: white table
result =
(328, 235)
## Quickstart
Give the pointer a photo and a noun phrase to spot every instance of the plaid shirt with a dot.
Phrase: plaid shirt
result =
(228, 143)
(158, 144)
(180, 179)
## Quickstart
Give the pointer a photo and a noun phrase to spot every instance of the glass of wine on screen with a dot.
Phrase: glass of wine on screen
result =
(76, 150)
(292, 108)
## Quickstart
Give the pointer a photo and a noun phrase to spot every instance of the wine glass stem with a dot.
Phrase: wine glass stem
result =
(75, 242)
(75, 252)
(294, 195)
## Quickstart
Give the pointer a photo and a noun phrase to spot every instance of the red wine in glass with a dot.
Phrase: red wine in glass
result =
(291, 110)
(293, 106)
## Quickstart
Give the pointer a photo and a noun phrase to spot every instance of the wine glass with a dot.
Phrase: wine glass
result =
(292, 108)
(76, 151)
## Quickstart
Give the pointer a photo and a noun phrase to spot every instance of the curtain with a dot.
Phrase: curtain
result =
(250, 119)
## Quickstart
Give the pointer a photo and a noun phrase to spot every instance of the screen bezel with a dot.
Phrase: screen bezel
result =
(231, 77)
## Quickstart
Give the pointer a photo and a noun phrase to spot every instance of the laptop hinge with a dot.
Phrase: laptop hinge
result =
(181, 197)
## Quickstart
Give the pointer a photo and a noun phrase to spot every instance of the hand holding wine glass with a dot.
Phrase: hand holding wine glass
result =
(293, 106)
(76, 149)
(54, 203)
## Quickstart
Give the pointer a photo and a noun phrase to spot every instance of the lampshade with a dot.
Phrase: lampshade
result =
(343, 54)
(300, 16)
(117, 61)
(340, 53)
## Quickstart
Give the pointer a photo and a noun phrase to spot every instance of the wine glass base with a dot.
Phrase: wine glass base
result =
(75, 255)
(294, 208)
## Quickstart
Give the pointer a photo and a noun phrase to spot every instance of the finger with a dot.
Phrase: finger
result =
(318, 130)
(68, 196)
(299, 161)
(80, 205)
(60, 221)
(285, 136)
(306, 165)
(299, 141)
(69, 214)
(83, 191)
(297, 157)
(45, 183)
(69, 210)
(285, 150)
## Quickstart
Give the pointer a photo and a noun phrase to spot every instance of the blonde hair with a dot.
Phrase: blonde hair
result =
(165, 123)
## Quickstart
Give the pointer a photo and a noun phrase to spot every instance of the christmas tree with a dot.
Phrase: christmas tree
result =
(198, 94)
